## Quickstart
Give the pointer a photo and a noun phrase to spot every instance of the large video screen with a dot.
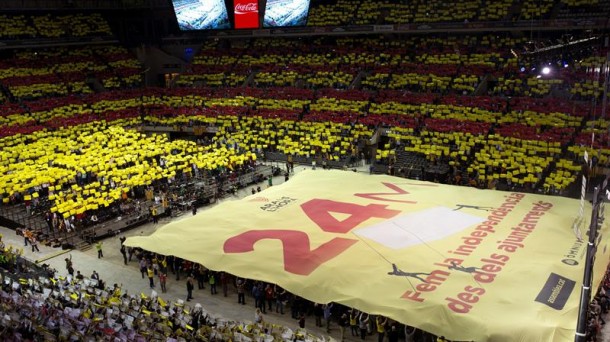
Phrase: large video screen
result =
(201, 14)
(283, 13)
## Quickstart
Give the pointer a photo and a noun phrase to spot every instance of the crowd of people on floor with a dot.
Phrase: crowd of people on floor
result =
(598, 309)
(270, 298)
(43, 304)
(79, 308)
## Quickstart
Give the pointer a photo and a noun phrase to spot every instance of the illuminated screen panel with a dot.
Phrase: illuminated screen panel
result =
(283, 13)
(246, 14)
(201, 14)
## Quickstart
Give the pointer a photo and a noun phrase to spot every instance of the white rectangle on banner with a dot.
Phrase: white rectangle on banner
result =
(417, 228)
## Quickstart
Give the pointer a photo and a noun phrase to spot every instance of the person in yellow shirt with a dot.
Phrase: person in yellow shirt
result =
(151, 276)
(380, 323)
(100, 252)
(353, 322)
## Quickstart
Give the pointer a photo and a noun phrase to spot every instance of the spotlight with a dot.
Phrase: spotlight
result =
(546, 70)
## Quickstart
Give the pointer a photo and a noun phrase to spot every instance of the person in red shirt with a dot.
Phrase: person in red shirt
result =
(162, 281)
(269, 296)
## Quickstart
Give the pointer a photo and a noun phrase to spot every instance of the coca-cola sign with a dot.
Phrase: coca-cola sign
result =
(246, 14)
(246, 8)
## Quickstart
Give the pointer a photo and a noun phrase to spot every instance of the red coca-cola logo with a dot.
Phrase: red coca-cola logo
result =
(246, 8)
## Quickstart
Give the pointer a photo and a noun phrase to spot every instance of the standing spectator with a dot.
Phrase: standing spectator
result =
(328, 314)
(151, 276)
(260, 297)
(269, 296)
(255, 294)
(162, 281)
(301, 319)
(224, 282)
(363, 324)
(212, 280)
(280, 297)
(142, 266)
(295, 307)
(318, 312)
(69, 265)
(95, 276)
(163, 265)
(194, 208)
(131, 251)
(177, 266)
(199, 274)
(34, 243)
(380, 322)
(48, 217)
(190, 285)
(343, 324)
(155, 265)
(153, 213)
(241, 289)
(124, 253)
(393, 333)
(353, 322)
(98, 246)
(26, 236)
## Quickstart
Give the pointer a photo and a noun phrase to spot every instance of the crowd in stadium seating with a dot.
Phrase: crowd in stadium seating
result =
(465, 108)
(369, 12)
(19, 26)
(61, 72)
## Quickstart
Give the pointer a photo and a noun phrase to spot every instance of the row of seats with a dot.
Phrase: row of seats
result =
(367, 12)
(481, 109)
(453, 65)
(62, 71)
(53, 26)
(584, 9)
(552, 130)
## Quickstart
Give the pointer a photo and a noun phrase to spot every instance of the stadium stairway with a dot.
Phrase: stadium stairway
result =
(95, 85)
(7, 93)
(82, 246)
(358, 79)
(250, 79)
(483, 86)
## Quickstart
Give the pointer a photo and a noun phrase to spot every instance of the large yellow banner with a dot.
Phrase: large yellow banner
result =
(472, 265)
